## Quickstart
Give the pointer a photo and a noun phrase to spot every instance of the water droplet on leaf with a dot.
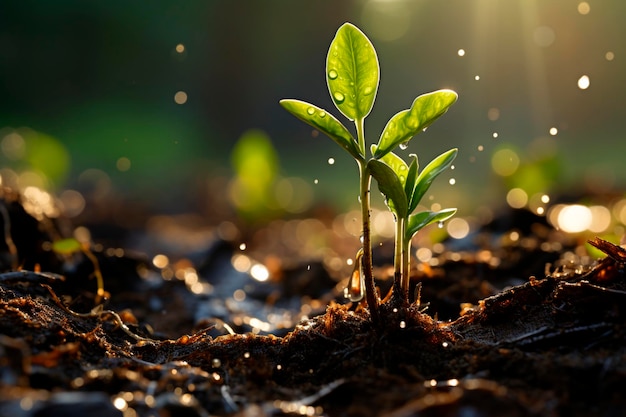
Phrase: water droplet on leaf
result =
(310, 111)
(332, 74)
(339, 97)
(368, 90)
(322, 114)
(404, 145)
(440, 225)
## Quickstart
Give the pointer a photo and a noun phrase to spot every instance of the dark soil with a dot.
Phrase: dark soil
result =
(530, 340)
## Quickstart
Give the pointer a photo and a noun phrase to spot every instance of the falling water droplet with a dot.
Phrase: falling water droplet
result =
(322, 114)
(425, 129)
(339, 97)
(404, 145)
(583, 82)
(452, 181)
(356, 286)
(495, 135)
(477, 77)
(440, 225)
(310, 111)
(332, 74)
(316, 181)
(331, 161)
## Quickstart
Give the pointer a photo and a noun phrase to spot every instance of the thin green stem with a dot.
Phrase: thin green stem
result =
(398, 273)
(366, 181)
(406, 265)
(368, 274)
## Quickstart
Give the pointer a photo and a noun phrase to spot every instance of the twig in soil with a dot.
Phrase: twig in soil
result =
(31, 276)
(98, 313)
(617, 253)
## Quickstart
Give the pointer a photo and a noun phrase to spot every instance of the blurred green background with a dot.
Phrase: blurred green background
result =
(151, 98)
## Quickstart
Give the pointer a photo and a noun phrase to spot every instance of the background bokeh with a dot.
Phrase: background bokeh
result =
(149, 99)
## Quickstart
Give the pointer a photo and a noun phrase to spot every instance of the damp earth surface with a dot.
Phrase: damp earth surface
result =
(514, 320)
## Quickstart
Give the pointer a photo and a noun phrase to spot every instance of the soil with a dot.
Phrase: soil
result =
(519, 323)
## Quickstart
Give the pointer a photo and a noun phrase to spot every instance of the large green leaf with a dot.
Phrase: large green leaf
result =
(352, 72)
(389, 184)
(420, 220)
(323, 121)
(404, 125)
(428, 175)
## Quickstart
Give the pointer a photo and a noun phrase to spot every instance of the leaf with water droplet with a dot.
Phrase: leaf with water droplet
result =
(352, 56)
(422, 219)
(403, 126)
(332, 74)
(324, 122)
(428, 175)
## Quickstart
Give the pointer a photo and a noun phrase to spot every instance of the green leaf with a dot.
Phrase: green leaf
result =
(428, 175)
(423, 112)
(409, 186)
(352, 72)
(396, 163)
(420, 220)
(66, 246)
(389, 184)
(324, 122)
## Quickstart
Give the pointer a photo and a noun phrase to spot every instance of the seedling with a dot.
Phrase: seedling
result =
(352, 76)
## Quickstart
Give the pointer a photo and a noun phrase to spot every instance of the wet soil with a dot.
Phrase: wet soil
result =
(496, 333)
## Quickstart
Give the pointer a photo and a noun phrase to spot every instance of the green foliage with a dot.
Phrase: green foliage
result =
(403, 126)
(352, 75)
(352, 72)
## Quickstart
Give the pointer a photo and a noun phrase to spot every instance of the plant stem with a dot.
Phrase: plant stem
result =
(368, 274)
(406, 265)
(366, 181)
(398, 265)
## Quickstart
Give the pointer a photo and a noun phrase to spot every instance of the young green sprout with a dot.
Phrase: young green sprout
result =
(352, 76)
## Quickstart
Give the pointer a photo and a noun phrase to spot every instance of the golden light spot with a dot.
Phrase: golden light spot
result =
(553, 131)
(584, 8)
(458, 228)
(600, 219)
(461, 52)
(505, 162)
(259, 272)
(516, 198)
(123, 164)
(180, 97)
(424, 254)
(610, 56)
(493, 114)
(584, 82)
(239, 295)
(160, 261)
(180, 48)
(574, 218)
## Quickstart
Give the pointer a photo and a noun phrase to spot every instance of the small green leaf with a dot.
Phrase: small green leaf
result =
(396, 163)
(324, 122)
(352, 72)
(66, 246)
(409, 186)
(389, 184)
(423, 112)
(420, 220)
(428, 175)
